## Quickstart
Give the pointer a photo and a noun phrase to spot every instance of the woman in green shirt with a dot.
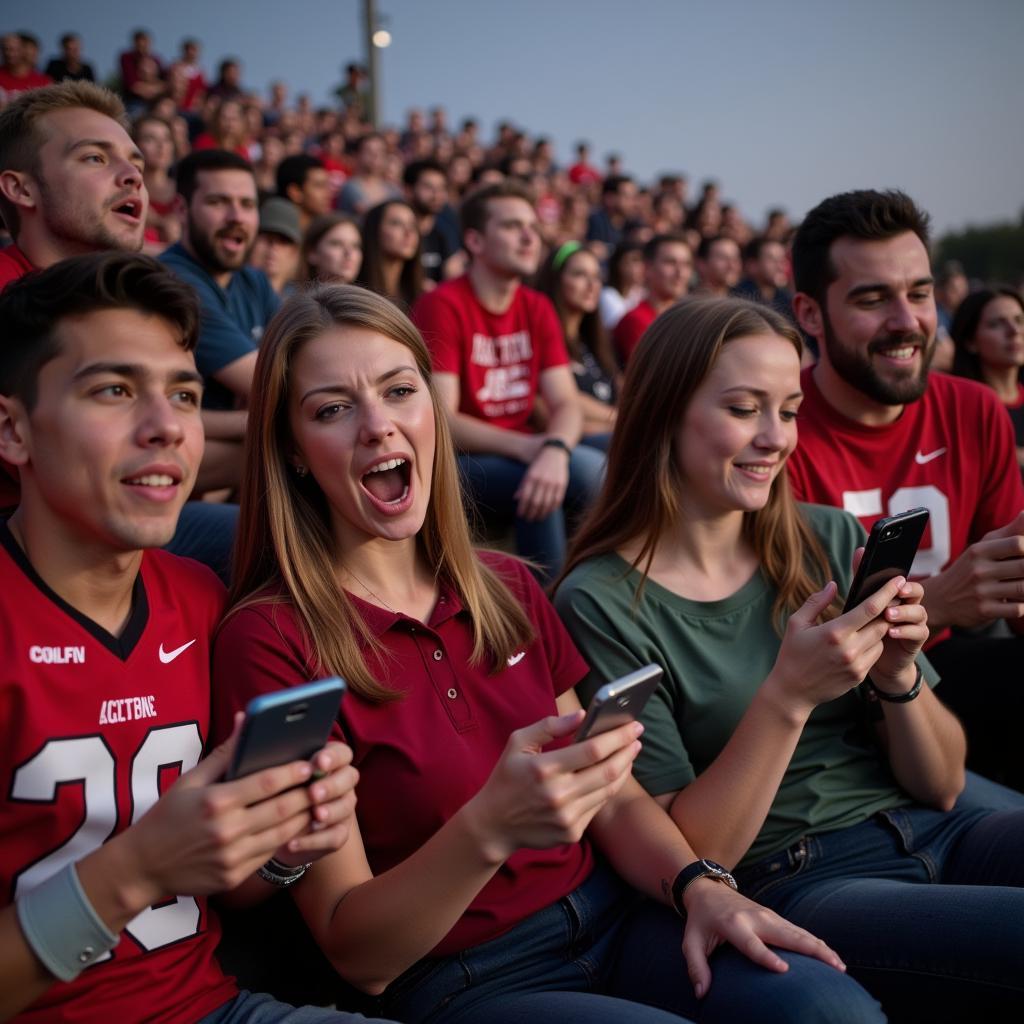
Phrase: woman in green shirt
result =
(836, 801)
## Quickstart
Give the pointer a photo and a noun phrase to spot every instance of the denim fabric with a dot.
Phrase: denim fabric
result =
(603, 955)
(491, 481)
(926, 907)
(259, 1008)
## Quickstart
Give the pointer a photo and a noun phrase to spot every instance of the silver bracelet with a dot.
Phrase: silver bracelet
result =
(62, 927)
(280, 874)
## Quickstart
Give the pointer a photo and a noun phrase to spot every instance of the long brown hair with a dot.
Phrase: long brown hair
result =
(284, 539)
(592, 334)
(643, 493)
(371, 272)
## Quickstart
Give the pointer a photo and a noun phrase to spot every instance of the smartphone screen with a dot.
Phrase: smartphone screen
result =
(890, 550)
(290, 725)
(620, 701)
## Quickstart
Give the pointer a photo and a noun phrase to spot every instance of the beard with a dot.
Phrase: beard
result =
(206, 250)
(855, 367)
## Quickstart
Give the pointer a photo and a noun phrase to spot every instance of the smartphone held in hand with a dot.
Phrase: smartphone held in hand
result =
(620, 701)
(290, 725)
(890, 550)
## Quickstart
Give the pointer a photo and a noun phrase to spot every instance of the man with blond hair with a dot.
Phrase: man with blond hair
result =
(70, 177)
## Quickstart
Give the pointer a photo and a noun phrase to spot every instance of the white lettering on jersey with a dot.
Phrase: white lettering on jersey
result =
(504, 383)
(127, 709)
(484, 352)
(503, 350)
(56, 655)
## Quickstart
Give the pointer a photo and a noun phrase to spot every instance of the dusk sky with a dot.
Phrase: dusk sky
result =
(783, 103)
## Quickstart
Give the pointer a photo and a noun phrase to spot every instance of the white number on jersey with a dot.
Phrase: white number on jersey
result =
(88, 761)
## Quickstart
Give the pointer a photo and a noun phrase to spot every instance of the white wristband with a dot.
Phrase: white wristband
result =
(61, 926)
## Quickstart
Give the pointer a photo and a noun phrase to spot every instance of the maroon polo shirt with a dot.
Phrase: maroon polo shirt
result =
(424, 756)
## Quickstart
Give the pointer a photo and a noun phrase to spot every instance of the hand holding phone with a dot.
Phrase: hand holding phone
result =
(620, 701)
(290, 725)
(890, 551)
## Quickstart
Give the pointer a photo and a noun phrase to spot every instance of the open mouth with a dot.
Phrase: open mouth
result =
(232, 240)
(131, 208)
(387, 483)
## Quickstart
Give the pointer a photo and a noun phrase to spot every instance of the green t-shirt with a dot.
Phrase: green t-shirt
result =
(715, 655)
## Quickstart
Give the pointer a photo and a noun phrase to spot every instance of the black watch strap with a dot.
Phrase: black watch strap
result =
(556, 442)
(702, 868)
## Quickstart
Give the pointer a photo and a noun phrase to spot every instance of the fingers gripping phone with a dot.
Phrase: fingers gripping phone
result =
(890, 550)
(290, 725)
(620, 701)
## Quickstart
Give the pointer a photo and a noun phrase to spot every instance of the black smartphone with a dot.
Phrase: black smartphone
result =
(290, 725)
(619, 701)
(890, 550)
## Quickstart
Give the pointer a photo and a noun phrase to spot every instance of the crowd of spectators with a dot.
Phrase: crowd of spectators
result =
(519, 343)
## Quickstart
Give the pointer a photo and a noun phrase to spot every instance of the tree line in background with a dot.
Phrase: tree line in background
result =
(993, 252)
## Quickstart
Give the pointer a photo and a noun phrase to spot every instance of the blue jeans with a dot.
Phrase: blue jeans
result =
(490, 481)
(926, 907)
(259, 1008)
(604, 955)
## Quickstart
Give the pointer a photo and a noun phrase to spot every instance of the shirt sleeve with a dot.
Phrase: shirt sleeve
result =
(663, 765)
(221, 341)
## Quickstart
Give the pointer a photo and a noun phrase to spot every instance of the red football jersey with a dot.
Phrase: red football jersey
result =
(498, 357)
(95, 727)
(951, 452)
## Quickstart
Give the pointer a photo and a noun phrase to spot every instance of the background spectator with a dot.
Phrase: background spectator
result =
(70, 64)
(332, 250)
(392, 260)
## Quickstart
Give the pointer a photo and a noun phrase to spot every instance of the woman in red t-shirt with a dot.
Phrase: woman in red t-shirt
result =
(470, 887)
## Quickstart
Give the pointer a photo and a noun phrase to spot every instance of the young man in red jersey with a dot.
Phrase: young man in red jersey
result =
(112, 831)
(879, 435)
(497, 346)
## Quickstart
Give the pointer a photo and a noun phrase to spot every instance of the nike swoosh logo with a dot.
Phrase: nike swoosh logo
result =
(923, 460)
(516, 658)
(168, 656)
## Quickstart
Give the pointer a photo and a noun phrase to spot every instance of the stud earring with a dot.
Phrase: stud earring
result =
(301, 471)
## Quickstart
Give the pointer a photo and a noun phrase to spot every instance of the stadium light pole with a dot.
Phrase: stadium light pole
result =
(376, 39)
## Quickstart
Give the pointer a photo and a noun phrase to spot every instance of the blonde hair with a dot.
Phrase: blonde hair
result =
(21, 136)
(284, 537)
(643, 493)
